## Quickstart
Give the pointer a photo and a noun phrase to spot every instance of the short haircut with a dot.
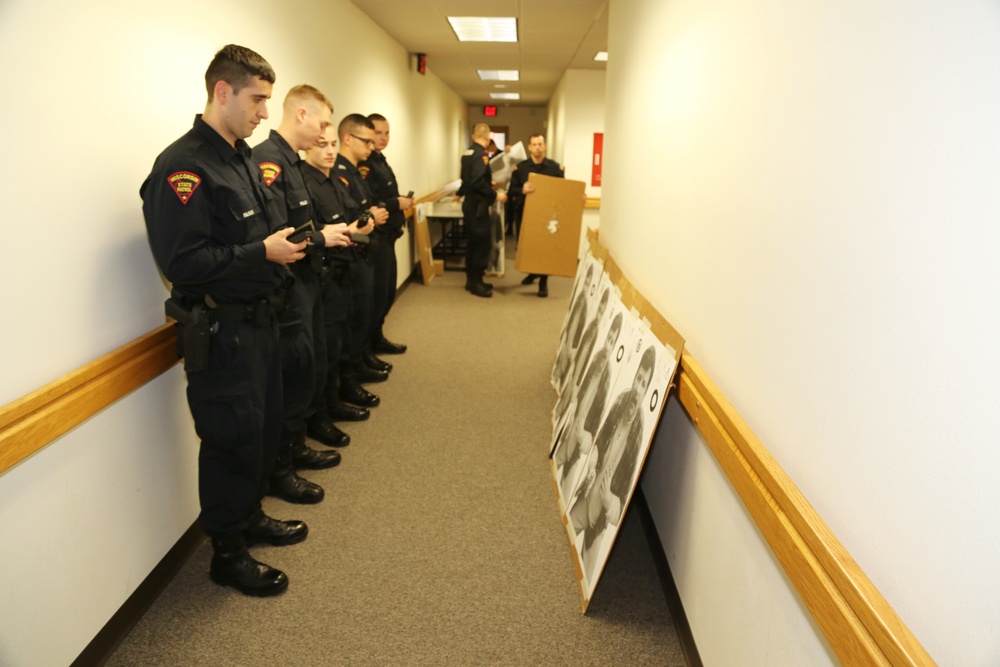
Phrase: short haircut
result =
(373, 117)
(537, 134)
(352, 123)
(481, 131)
(303, 92)
(237, 66)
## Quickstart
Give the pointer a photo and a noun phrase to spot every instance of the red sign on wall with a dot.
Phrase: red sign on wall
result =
(595, 175)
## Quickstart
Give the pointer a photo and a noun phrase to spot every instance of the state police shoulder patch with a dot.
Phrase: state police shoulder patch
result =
(184, 183)
(270, 171)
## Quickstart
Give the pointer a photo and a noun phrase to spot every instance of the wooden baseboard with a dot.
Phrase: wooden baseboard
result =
(117, 628)
(670, 591)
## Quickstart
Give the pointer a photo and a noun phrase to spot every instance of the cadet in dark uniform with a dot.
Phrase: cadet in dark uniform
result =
(519, 188)
(382, 182)
(206, 211)
(357, 139)
(306, 112)
(328, 195)
(477, 188)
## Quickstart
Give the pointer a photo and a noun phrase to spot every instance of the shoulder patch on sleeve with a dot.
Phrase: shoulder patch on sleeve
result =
(270, 171)
(363, 170)
(184, 183)
(486, 160)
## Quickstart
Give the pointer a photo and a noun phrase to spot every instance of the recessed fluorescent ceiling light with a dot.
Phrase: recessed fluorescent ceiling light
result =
(601, 55)
(506, 96)
(499, 74)
(484, 29)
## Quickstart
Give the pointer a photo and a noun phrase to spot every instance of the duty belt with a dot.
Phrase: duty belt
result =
(260, 311)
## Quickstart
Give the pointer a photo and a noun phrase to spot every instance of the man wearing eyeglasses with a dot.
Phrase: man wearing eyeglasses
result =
(357, 140)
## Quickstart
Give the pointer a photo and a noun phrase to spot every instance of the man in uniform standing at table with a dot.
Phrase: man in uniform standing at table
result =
(206, 211)
(306, 112)
(477, 188)
(357, 140)
(382, 182)
(519, 188)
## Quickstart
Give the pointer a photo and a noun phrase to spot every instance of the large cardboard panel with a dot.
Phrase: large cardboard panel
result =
(550, 227)
(429, 267)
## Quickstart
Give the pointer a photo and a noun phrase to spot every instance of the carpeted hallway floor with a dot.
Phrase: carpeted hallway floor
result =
(439, 542)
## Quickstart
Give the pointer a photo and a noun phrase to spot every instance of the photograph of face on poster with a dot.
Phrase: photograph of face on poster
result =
(570, 367)
(587, 403)
(607, 480)
(588, 276)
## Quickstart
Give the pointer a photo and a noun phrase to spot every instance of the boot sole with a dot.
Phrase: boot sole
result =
(255, 592)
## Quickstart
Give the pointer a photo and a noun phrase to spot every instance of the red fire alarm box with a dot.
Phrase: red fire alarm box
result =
(489, 112)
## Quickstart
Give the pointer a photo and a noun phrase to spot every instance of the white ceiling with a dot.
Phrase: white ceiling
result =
(553, 36)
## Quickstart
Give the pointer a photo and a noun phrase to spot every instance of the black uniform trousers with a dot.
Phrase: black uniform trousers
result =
(383, 278)
(337, 305)
(362, 299)
(476, 220)
(298, 356)
(236, 406)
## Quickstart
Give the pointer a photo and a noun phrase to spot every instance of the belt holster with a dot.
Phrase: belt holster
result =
(194, 333)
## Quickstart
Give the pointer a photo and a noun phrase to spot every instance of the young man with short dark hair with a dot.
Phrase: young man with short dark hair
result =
(206, 211)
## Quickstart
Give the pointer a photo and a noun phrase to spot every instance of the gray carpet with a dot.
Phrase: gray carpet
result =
(440, 541)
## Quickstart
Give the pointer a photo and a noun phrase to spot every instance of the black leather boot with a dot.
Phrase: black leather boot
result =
(369, 359)
(364, 374)
(344, 412)
(480, 289)
(351, 391)
(543, 287)
(233, 566)
(265, 530)
(337, 409)
(304, 456)
(382, 344)
(324, 431)
(294, 489)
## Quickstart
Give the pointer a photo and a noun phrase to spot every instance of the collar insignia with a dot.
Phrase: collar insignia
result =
(184, 184)
(270, 171)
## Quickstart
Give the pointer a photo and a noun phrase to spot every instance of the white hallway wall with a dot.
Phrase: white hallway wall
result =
(820, 181)
(576, 113)
(93, 93)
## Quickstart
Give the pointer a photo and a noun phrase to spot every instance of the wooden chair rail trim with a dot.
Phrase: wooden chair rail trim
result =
(860, 625)
(33, 421)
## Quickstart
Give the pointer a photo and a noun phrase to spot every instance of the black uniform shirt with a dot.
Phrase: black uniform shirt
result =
(328, 198)
(279, 167)
(206, 211)
(477, 182)
(382, 182)
(520, 175)
(359, 197)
